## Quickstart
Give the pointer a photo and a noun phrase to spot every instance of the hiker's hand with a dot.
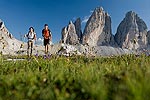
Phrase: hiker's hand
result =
(35, 39)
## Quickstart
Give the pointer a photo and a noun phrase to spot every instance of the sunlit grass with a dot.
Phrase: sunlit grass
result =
(75, 78)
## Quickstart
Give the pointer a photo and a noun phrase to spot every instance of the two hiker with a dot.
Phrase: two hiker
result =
(31, 35)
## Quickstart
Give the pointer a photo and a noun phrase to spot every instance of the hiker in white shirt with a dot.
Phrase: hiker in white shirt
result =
(31, 35)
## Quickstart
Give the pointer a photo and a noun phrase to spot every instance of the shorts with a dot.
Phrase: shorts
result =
(46, 42)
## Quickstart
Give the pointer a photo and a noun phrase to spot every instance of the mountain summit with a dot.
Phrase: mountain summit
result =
(98, 31)
(8, 43)
(72, 33)
(132, 32)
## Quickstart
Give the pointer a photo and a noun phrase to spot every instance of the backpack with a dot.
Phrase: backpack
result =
(46, 33)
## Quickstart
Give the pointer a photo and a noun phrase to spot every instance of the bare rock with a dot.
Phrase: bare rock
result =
(77, 24)
(148, 37)
(102, 50)
(98, 31)
(69, 35)
(132, 32)
(64, 34)
(7, 42)
(4, 30)
(68, 50)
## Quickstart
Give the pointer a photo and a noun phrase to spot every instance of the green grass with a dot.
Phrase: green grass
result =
(76, 78)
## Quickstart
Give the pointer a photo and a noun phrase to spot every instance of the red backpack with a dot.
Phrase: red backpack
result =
(46, 34)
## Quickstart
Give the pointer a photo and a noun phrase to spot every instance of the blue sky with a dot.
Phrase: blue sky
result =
(19, 15)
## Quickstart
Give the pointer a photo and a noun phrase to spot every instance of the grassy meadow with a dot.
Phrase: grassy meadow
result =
(76, 78)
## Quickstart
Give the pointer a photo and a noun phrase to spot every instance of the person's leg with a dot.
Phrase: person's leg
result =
(31, 48)
(47, 48)
(48, 45)
(45, 45)
(28, 49)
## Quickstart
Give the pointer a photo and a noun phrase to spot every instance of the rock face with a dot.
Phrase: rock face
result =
(4, 29)
(8, 44)
(78, 29)
(148, 37)
(69, 35)
(68, 50)
(132, 32)
(98, 31)
(103, 51)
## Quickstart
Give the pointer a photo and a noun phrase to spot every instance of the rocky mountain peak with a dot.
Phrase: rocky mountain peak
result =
(99, 9)
(132, 32)
(98, 31)
(4, 30)
(77, 24)
(70, 34)
(131, 13)
(8, 44)
(70, 22)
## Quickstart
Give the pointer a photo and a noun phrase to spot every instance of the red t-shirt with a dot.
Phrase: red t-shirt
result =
(46, 34)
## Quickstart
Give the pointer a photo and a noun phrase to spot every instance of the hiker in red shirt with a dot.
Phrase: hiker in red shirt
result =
(46, 33)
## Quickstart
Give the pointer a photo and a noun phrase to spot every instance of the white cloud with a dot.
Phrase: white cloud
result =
(91, 11)
(85, 19)
(39, 41)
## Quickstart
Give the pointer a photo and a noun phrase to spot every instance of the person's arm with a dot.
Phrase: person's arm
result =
(35, 36)
(50, 35)
(26, 35)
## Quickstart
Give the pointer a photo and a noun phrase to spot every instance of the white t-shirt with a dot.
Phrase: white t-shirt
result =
(31, 36)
